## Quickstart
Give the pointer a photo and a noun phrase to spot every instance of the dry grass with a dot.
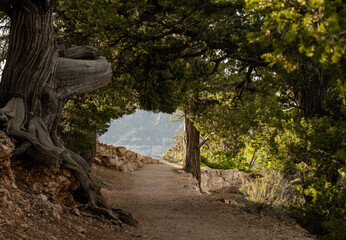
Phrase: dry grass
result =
(270, 193)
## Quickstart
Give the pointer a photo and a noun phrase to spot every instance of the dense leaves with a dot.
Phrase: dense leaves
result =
(87, 117)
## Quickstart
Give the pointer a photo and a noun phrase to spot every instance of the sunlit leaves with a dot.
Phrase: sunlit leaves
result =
(315, 26)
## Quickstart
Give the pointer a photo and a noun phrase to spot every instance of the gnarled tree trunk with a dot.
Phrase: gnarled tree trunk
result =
(191, 162)
(34, 87)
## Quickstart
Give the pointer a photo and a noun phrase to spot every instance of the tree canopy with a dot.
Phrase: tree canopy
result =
(262, 80)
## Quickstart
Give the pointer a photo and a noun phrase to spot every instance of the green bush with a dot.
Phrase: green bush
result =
(250, 156)
(313, 152)
(217, 160)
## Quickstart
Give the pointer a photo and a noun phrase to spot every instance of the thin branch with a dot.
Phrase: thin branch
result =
(202, 143)
(217, 63)
(244, 85)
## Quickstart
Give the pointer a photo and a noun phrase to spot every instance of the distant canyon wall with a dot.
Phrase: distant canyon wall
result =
(147, 133)
(155, 151)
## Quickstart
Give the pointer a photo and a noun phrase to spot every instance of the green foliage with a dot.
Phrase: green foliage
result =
(304, 43)
(218, 160)
(175, 153)
(163, 53)
(313, 150)
(321, 140)
(160, 50)
(312, 28)
(323, 211)
(251, 155)
(291, 115)
(341, 90)
(87, 117)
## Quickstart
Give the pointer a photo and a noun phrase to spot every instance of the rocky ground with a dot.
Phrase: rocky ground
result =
(163, 199)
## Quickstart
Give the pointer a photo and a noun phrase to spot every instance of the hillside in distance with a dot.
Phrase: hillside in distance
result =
(147, 133)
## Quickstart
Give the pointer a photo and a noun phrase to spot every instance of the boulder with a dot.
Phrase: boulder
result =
(146, 159)
(98, 161)
(114, 161)
(130, 155)
(102, 148)
(140, 157)
(131, 166)
(120, 151)
(139, 163)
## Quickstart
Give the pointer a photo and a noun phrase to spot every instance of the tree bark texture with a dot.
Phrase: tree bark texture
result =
(35, 85)
(309, 97)
(32, 56)
(191, 161)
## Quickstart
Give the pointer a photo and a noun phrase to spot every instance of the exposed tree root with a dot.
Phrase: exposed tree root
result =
(34, 141)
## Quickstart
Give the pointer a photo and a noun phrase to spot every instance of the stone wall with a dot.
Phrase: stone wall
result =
(120, 158)
(215, 179)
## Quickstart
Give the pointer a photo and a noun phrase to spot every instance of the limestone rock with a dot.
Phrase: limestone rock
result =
(4, 195)
(120, 151)
(42, 197)
(155, 161)
(215, 179)
(120, 159)
(6, 149)
(50, 179)
(98, 161)
(6, 145)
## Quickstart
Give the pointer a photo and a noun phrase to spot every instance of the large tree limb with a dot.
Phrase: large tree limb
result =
(80, 52)
(75, 76)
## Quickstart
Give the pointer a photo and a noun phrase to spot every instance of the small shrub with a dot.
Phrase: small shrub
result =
(270, 193)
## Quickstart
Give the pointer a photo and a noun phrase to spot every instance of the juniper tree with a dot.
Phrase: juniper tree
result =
(35, 84)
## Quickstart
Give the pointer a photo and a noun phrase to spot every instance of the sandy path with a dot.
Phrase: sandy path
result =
(167, 207)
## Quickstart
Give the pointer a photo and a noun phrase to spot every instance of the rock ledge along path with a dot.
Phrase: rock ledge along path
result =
(167, 205)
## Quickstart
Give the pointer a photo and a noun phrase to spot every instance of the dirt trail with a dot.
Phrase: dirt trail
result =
(167, 206)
